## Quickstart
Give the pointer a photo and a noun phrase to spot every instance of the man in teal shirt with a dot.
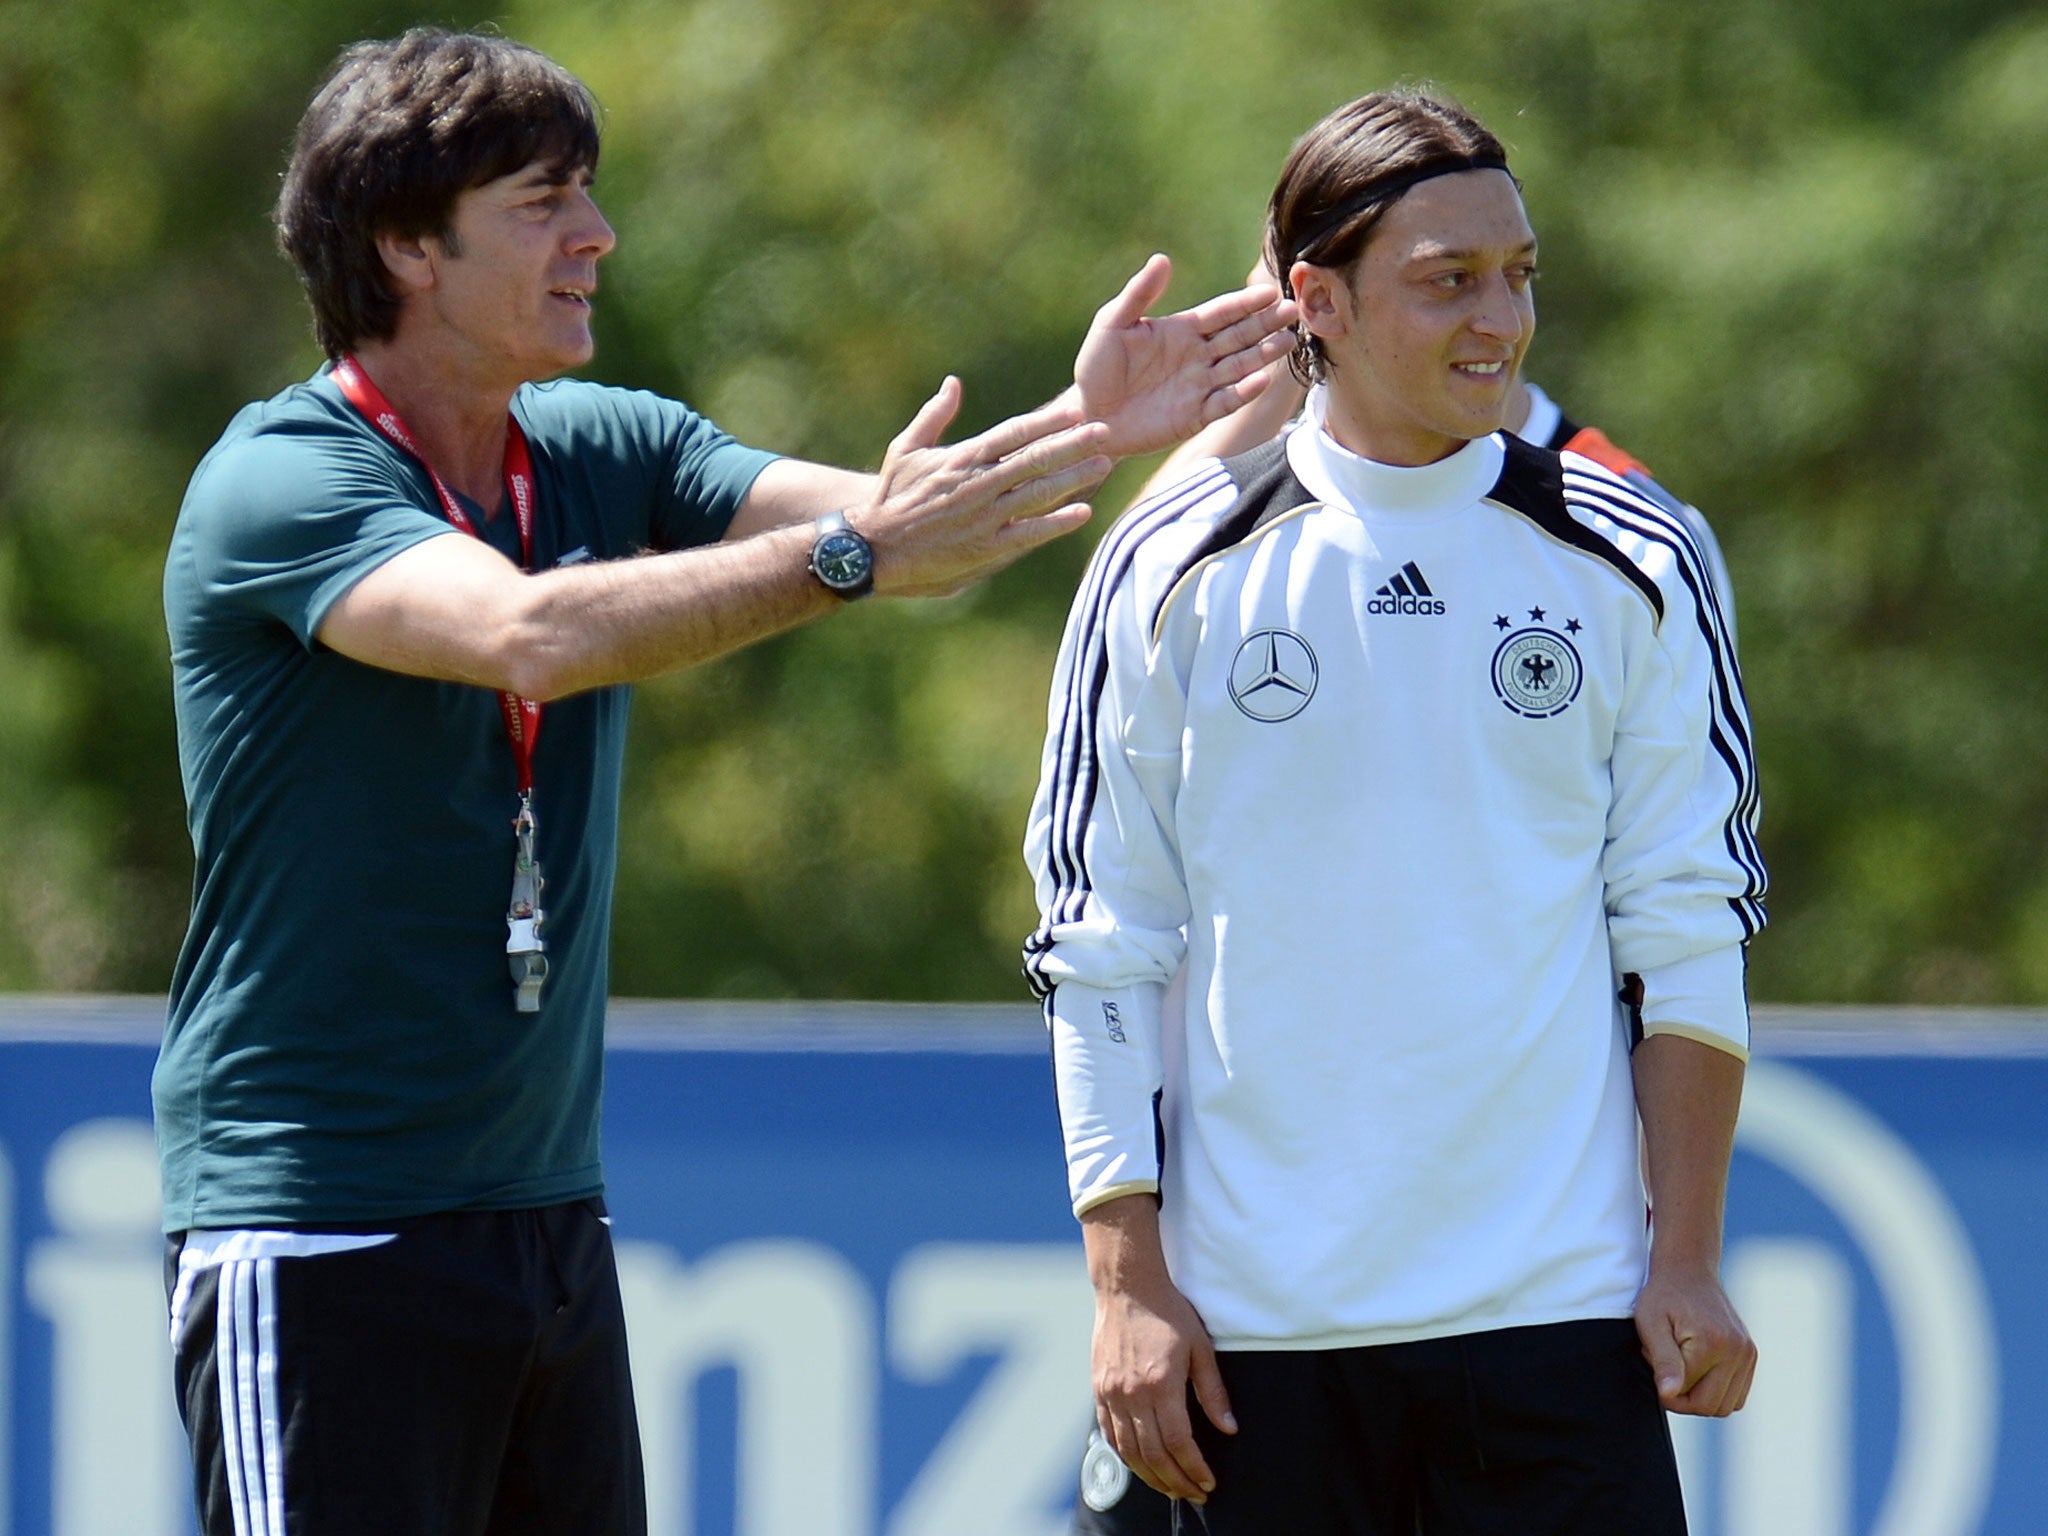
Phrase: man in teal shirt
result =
(405, 599)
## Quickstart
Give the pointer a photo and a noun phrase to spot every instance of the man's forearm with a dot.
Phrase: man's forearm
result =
(1688, 1095)
(454, 608)
(791, 491)
(1121, 1238)
(622, 620)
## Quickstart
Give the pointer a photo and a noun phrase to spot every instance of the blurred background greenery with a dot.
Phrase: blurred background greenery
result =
(1795, 258)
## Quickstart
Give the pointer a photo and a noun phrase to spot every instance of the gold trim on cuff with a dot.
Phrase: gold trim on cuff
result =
(1110, 1192)
(1703, 1036)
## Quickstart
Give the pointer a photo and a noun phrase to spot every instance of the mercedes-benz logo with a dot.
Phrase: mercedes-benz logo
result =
(1273, 675)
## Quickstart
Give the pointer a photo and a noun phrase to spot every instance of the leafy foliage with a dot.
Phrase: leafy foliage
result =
(1793, 258)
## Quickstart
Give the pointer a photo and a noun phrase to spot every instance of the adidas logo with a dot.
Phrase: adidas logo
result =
(1406, 593)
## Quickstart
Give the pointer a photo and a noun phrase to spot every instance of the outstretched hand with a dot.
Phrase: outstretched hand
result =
(1156, 382)
(943, 517)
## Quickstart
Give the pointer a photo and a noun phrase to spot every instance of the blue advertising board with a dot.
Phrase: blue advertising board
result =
(858, 1308)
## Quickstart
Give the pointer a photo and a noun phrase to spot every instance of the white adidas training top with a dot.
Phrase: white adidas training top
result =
(1408, 767)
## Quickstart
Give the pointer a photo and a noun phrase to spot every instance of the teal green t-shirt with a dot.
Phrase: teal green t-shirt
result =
(342, 1044)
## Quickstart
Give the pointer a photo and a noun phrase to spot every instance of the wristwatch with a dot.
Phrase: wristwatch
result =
(842, 559)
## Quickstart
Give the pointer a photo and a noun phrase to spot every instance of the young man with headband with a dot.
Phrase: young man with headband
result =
(1419, 747)
(1108, 1500)
(403, 600)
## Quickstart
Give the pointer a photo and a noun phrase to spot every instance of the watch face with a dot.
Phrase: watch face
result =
(842, 560)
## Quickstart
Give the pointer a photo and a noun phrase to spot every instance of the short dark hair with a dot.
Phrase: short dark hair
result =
(398, 131)
(1345, 173)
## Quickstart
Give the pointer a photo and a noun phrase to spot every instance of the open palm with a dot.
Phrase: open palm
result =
(1156, 382)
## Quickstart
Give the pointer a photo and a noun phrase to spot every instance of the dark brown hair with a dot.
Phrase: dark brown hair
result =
(1345, 173)
(397, 132)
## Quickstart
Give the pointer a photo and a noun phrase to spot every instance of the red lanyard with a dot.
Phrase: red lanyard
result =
(522, 716)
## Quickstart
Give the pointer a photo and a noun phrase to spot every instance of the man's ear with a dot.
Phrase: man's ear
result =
(410, 260)
(1324, 297)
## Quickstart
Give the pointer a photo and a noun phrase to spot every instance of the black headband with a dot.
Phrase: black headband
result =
(1389, 189)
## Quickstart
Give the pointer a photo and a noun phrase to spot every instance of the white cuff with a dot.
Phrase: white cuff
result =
(1106, 1069)
(1702, 997)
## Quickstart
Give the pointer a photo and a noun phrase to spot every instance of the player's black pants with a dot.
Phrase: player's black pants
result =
(467, 1377)
(1545, 1431)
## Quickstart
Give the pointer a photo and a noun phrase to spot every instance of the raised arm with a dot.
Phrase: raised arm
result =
(1149, 382)
(938, 519)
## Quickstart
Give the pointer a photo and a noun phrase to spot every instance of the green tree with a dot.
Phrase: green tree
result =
(1791, 253)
